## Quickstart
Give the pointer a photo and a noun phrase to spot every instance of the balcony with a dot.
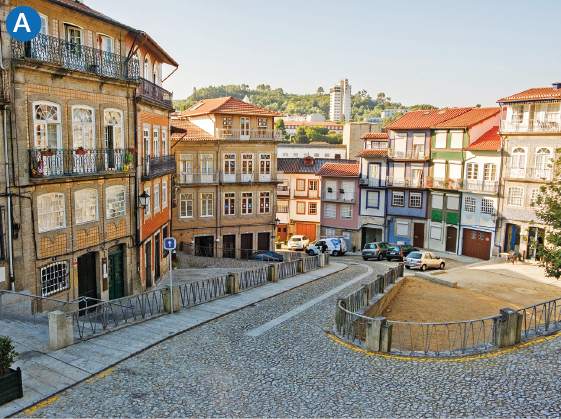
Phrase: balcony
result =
(529, 173)
(249, 135)
(283, 189)
(405, 182)
(282, 209)
(443, 183)
(337, 196)
(532, 125)
(376, 145)
(152, 91)
(243, 177)
(154, 167)
(418, 153)
(59, 163)
(372, 182)
(77, 57)
(490, 186)
(198, 178)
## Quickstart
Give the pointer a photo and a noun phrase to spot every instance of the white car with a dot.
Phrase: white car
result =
(298, 242)
(423, 260)
(336, 246)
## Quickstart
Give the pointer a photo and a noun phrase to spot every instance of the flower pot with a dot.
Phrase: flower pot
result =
(132, 150)
(80, 152)
(279, 246)
(10, 386)
(47, 153)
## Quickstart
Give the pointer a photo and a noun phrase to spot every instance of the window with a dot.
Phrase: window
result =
(86, 205)
(327, 154)
(146, 140)
(247, 203)
(329, 211)
(83, 127)
(518, 158)
(164, 194)
(490, 171)
(54, 278)
(156, 198)
(398, 199)
(469, 204)
(155, 73)
(487, 206)
(337, 156)
(247, 167)
(294, 154)
(285, 154)
(115, 197)
(329, 231)
(207, 166)
(415, 200)
(105, 43)
(313, 185)
(156, 141)
(164, 142)
(436, 231)
(312, 208)
(230, 166)
(186, 205)
(148, 206)
(113, 120)
(515, 196)
(300, 185)
(207, 204)
(261, 126)
(439, 170)
(372, 199)
(472, 171)
(51, 211)
(186, 168)
(264, 201)
(147, 67)
(227, 125)
(347, 212)
(437, 201)
(543, 159)
(453, 202)
(374, 174)
(229, 203)
(402, 228)
(440, 141)
(455, 171)
(517, 114)
(244, 126)
(46, 118)
(300, 207)
(74, 36)
(552, 112)
(456, 139)
(44, 25)
(265, 164)
(316, 154)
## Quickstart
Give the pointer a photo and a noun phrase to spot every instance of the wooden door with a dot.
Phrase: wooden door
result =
(157, 256)
(87, 286)
(263, 241)
(418, 235)
(229, 246)
(246, 245)
(281, 232)
(476, 244)
(116, 275)
(308, 230)
(451, 238)
(148, 264)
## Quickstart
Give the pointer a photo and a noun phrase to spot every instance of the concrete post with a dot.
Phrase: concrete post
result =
(507, 330)
(61, 330)
(343, 302)
(320, 260)
(166, 294)
(366, 291)
(373, 334)
(326, 259)
(394, 275)
(386, 338)
(301, 266)
(273, 273)
(233, 283)
(381, 284)
(519, 324)
(401, 269)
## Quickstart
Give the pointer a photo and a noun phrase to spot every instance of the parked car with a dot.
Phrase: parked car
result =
(423, 260)
(267, 256)
(399, 251)
(298, 242)
(376, 250)
(335, 246)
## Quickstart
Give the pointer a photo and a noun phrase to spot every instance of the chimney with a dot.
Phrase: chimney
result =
(556, 86)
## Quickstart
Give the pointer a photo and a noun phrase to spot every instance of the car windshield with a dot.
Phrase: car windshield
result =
(394, 249)
(368, 246)
(383, 245)
(415, 256)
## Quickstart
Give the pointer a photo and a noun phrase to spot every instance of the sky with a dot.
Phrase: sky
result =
(443, 53)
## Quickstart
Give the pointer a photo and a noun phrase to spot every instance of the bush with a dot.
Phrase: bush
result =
(7, 354)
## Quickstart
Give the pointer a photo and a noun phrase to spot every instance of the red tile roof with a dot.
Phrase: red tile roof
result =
(227, 105)
(83, 8)
(339, 169)
(535, 93)
(469, 119)
(373, 152)
(193, 132)
(375, 136)
(491, 140)
(424, 119)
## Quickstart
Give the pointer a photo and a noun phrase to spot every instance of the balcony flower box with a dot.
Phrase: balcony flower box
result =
(448, 183)
(132, 150)
(430, 182)
(47, 153)
(329, 190)
(125, 168)
(128, 158)
(80, 151)
(341, 190)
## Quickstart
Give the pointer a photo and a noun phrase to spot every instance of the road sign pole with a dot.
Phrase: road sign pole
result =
(171, 280)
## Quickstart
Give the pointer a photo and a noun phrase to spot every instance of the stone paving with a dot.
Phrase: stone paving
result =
(296, 370)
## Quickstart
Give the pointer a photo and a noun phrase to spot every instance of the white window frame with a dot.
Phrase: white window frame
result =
(54, 277)
(453, 202)
(515, 201)
(437, 201)
(346, 212)
(115, 128)
(436, 232)
(123, 201)
(229, 198)
(400, 195)
(264, 202)
(454, 137)
(44, 19)
(415, 195)
(487, 206)
(207, 204)
(186, 197)
(441, 139)
(50, 213)
(46, 123)
(148, 207)
(164, 150)
(534, 197)
(330, 211)
(79, 207)
(470, 204)
(146, 149)
(82, 126)
(519, 157)
(402, 224)
(101, 37)
(156, 198)
(247, 203)
(156, 141)
(164, 193)
(492, 167)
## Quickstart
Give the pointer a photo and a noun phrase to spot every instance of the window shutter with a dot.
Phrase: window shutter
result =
(440, 139)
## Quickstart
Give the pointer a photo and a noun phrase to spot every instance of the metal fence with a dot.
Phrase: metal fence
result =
(541, 319)
(253, 278)
(203, 291)
(154, 92)
(287, 269)
(310, 263)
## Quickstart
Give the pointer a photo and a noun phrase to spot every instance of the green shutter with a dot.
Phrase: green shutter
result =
(436, 215)
(452, 217)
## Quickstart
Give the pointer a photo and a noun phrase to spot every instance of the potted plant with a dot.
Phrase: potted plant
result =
(342, 190)
(430, 181)
(128, 158)
(47, 152)
(448, 183)
(10, 380)
(132, 150)
(80, 151)
(329, 189)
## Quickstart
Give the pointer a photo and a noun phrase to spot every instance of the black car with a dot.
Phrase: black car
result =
(400, 251)
(267, 256)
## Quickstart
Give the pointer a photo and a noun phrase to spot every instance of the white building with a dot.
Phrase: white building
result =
(386, 113)
(317, 150)
(292, 126)
(312, 117)
(340, 101)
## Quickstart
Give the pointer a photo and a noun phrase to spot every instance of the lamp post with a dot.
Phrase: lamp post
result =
(144, 199)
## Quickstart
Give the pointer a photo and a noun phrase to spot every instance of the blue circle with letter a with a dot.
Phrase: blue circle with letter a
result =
(23, 23)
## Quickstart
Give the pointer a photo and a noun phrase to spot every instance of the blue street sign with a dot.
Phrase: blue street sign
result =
(169, 243)
(23, 23)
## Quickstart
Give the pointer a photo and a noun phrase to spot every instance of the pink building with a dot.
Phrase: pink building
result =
(339, 202)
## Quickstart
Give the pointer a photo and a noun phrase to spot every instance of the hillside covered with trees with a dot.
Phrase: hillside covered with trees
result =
(363, 105)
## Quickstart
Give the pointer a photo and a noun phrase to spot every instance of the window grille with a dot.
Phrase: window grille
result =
(54, 278)
(515, 196)
(469, 204)
(487, 206)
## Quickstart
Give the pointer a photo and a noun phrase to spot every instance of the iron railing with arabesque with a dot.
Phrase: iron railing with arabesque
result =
(153, 167)
(154, 92)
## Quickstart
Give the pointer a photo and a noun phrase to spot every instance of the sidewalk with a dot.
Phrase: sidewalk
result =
(46, 374)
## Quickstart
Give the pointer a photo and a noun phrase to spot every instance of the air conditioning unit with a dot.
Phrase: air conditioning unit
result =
(363, 181)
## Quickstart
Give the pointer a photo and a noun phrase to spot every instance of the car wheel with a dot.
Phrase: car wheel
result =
(407, 267)
(311, 252)
(380, 256)
(423, 268)
(442, 266)
(335, 253)
(365, 258)
(388, 259)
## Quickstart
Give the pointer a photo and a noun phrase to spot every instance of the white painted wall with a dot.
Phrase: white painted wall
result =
(310, 150)
(204, 122)
(477, 131)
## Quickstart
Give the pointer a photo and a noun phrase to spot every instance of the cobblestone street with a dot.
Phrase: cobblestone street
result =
(296, 370)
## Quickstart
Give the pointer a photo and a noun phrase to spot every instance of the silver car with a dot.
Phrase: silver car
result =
(423, 260)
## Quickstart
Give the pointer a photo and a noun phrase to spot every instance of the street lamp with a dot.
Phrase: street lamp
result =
(277, 222)
(144, 199)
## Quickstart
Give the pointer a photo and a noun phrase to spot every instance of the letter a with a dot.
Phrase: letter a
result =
(20, 24)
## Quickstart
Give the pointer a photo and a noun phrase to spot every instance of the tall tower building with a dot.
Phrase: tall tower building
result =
(340, 101)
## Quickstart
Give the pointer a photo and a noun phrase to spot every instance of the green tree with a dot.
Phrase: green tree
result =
(320, 91)
(387, 121)
(279, 125)
(182, 107)
(301, 136)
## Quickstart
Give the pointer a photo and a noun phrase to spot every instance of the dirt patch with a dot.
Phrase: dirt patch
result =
(423, 301)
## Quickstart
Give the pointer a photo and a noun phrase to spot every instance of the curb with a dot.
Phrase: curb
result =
(440, 281)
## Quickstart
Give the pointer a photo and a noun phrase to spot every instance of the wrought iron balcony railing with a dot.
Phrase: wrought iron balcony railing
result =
(372, 182)
(376, 145)
(529, 173)
(242, 177)
(405, 182)
(338, 196)
(550, 124)
(247, 135)
(479, 185)
(443, 183)
(153, 91)
(77, 57)
(60, 162)
(283, 189)
(417, 153)
(154, 167)
(282, 209)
